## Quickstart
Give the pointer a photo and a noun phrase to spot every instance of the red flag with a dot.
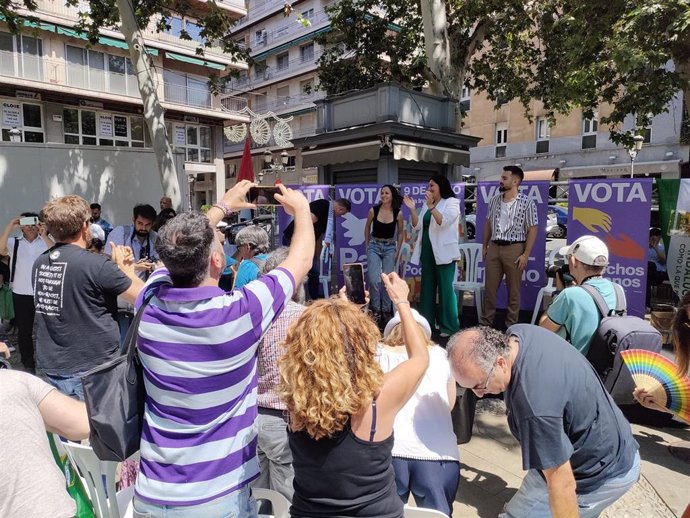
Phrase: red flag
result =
(246, 171)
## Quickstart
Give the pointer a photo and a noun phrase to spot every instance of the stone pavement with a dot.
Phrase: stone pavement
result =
(492, 470)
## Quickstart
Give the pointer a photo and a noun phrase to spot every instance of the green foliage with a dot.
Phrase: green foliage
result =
(565, 53)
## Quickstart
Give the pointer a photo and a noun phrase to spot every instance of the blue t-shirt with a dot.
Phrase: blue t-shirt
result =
(559, 410)
(248, 270)
(576, 312)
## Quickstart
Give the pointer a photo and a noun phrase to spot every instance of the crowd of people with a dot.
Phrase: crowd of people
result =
(254, 381)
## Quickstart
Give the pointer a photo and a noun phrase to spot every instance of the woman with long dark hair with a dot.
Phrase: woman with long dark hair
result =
(383, 237)
(437, 250)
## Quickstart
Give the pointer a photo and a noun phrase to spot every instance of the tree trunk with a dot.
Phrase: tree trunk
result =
(153, 111)
(437, 48)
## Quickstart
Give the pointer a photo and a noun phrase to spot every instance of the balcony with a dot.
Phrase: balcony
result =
(288, 30)
(259, 9)
(78, 80)
(295, 67)
(236, 7)
(57, 12)
(289, 103)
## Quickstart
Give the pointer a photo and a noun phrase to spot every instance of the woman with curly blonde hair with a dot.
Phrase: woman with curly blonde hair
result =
(341, 407)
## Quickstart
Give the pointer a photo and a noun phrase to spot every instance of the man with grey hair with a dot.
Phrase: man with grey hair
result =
(275, 457)
(198, 346)
(576, 445)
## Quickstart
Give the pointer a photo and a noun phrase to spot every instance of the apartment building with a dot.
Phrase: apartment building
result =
(577, 146)
(283, 80)
(72, 113)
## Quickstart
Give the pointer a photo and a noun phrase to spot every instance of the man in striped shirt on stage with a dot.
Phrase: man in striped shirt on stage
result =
(198, 346)
(510, 231)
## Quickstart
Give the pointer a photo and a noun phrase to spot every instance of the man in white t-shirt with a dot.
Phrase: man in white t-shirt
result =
(23, 251)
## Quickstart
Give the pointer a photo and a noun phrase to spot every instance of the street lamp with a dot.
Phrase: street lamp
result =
(271, 166)
(633, 150)
(15, 135)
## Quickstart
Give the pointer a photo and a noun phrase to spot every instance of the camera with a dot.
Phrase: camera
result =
(562, 272)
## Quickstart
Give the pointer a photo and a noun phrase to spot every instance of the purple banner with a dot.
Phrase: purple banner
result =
(534, 276)
(311, 192)
(618, 212)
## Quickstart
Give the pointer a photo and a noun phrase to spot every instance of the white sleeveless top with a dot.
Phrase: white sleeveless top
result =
(423, 428)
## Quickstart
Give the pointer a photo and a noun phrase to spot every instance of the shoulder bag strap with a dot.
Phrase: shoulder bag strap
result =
(621, 303)
(132, 333)
(14, 258)
(601, 304)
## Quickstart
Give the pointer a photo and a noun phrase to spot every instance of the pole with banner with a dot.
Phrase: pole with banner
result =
(617, 211)
(674, 213)
(534, 276)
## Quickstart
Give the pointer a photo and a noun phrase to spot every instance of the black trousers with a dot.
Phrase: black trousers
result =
(24, 312)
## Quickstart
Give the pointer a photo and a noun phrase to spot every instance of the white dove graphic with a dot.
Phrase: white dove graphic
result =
(354, 229)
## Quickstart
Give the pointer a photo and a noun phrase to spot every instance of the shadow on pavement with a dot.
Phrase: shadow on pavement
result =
(655, 449)
(483, 491)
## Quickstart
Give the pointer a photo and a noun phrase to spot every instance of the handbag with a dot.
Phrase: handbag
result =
(114, 396)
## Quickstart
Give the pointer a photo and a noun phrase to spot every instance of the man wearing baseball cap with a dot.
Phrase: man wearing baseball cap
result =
(573, 314)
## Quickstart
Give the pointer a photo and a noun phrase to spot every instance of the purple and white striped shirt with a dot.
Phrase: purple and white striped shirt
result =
(198, 347)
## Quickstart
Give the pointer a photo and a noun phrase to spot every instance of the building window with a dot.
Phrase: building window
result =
(282, 30)
(283, 61)
(308, 14)
(180, 26)
(306, 87)
(589, 133)
(186, 89)
(91, 128)
(260, 38)
(26, 117)
(283, 96)
(465, 98)
(261, 70)
(306, 52)
(543, 135)
(99, 71)
(195, 140)
(21, 56)
(647, 135)
(501, 139)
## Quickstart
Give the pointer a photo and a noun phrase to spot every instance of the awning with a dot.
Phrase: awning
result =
(418, 152)
(541, 174)
(289, 44)
(34, 24)
(342, 154)
(621, 170)
(194, 61)
(102, 40)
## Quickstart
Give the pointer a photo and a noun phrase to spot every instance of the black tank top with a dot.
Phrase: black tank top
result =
(384, 230)
(343, 476)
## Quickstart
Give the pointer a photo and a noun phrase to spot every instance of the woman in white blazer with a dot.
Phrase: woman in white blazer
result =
(437, 250)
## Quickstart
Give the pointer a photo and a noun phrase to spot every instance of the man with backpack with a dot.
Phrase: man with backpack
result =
(592, 316)
(23, 251)
(573, 314)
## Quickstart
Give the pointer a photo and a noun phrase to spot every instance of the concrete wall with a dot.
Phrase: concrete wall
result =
(118, 179)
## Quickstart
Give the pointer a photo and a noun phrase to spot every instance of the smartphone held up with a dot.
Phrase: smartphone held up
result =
(354, 282)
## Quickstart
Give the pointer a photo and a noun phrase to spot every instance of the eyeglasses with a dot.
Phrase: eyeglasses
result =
(488, 378)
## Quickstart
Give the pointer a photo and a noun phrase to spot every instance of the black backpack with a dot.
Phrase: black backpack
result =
(617, 332)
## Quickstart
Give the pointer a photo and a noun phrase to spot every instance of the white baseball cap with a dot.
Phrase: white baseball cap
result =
(589, 250)
(418, 318)
(97, 232)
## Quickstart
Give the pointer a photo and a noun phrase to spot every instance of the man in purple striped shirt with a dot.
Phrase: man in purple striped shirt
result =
(198, 346)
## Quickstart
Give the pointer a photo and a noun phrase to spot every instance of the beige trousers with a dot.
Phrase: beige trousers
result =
(500, 261)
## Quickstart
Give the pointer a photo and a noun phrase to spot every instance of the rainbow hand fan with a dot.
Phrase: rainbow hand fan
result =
(659, 376)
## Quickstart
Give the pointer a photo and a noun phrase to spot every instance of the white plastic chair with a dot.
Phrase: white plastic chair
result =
(471, 254)
(418, 512)
(99, 479)
(546, 290)
(279, 504)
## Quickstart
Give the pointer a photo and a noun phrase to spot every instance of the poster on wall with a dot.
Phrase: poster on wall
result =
(105, 125)
(180, 136)
(617, 211)
(534, 275)
(12, 114)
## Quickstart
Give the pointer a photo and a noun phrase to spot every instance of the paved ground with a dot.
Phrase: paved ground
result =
(492, 471)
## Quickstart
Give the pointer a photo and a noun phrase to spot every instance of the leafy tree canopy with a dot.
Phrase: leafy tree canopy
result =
(633, 54)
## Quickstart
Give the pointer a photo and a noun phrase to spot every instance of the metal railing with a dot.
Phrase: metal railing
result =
(287, 102)
(294, 66)
(288, 30)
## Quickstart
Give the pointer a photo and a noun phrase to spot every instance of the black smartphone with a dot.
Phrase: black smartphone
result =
(354, 282)
(264, 195)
